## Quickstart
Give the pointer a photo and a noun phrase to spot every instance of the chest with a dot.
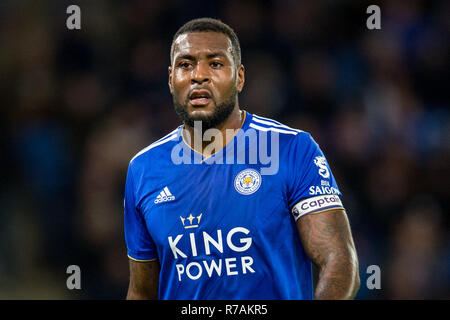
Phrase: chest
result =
(212, 201)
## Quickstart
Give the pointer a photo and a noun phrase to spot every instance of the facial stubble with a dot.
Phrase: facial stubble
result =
(220, 113)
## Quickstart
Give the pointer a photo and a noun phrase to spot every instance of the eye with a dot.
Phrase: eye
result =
(184, 65)
(216, 64)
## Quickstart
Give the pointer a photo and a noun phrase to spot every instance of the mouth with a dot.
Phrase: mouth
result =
(200, 97)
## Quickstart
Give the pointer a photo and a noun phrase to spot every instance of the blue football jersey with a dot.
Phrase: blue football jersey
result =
(224, 227)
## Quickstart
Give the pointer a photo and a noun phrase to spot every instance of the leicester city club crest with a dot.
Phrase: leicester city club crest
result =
(247, 181)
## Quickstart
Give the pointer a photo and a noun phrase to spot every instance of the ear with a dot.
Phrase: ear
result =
(240, 78)
(170, 80)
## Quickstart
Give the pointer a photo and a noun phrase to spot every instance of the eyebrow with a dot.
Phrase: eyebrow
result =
(208, 56)
(186, 57)
(215, 54)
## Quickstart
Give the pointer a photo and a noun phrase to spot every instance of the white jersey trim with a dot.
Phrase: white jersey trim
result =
(171, 136)
(273, 123)
(254, 126)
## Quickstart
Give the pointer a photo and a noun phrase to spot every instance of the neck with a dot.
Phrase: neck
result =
(208, 142)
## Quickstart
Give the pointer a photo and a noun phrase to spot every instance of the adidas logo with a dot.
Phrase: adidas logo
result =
(164, 196)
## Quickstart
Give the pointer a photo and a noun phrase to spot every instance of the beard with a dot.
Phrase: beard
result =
(220, 113)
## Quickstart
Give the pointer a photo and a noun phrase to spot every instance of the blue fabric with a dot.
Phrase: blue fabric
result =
(220, 228)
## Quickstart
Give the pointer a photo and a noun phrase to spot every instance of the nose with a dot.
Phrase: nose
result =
(200, 74)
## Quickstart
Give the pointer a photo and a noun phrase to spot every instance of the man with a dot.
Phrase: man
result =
(202, 220)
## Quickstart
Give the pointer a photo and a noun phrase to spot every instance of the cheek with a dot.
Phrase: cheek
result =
(180, 82)
(224, 83)
(228, 89)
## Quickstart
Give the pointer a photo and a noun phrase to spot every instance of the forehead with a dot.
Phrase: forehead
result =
(197, 43)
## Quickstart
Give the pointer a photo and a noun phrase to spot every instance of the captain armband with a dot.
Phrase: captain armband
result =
(315, 205)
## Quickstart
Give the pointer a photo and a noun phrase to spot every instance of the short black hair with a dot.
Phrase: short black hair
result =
(210, 25)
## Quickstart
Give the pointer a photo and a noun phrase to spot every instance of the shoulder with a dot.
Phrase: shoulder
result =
(159, 147)
(287, 134)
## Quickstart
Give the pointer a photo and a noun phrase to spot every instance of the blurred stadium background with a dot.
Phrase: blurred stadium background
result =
(77, 105)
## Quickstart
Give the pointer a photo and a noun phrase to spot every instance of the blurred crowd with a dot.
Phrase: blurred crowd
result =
(76, 105)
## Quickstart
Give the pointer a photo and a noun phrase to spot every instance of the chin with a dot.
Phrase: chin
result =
(211, 114)
(201, 114)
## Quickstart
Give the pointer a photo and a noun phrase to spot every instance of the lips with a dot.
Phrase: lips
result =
(200, 97)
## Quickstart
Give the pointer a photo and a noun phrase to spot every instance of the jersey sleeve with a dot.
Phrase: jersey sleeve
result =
(140, 246)
(312, 187)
